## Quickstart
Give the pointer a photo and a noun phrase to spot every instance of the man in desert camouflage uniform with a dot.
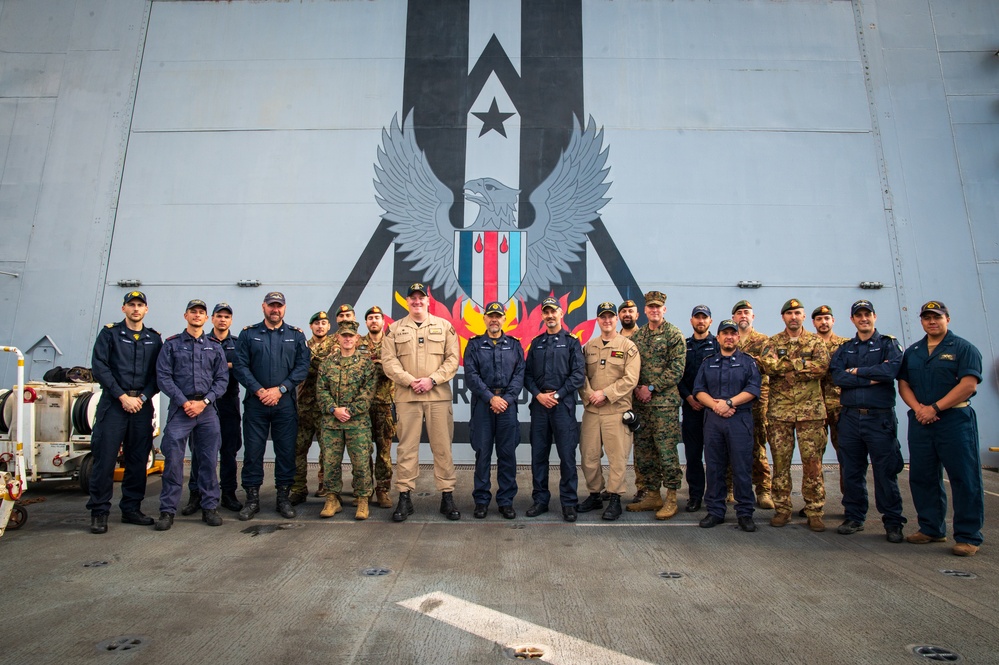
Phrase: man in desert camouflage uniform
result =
(663, 352)
(344, 388)
(752, 343)
(309, 417)
(796, 361)
(382, 422)
(822, 321)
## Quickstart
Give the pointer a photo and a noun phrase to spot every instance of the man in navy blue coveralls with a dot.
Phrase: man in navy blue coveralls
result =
(272, 358)
(229, 420)
(554, 373)
(726, 384)
(865, 368)
(939, 374)
(494, 374)
(193, 373)
(124, 364)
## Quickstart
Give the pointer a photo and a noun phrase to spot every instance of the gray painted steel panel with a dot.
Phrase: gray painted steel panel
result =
(82, 145)
(746, 128)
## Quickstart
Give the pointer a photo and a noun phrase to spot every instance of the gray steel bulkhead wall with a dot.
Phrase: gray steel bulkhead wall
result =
(170, 141)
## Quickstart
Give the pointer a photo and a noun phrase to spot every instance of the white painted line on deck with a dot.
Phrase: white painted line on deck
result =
(508, 631)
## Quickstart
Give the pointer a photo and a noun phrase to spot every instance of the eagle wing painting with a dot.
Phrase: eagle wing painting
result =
(417, 205)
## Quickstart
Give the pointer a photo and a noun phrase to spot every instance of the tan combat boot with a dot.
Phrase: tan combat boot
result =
(669, 508)
(650, 501)
(816, 524)
(764, 500)
(382, 499)
(332, 506)
(362, 508)
(780, 519)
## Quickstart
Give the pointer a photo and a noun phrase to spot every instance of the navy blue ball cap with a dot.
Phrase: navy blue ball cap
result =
(934, 307)
(134, 295)
(727, 324)
(701, 309)
(605, 307)
(861, 304)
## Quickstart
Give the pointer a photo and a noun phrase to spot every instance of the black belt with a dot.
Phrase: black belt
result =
(498, 391)
(195, 397)
(866, 412)
(134, 393)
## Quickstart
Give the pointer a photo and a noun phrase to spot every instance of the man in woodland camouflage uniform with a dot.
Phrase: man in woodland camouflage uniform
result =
(382, 422)
(344, 388)
(796, 360)
(309, 417)
(663, 351)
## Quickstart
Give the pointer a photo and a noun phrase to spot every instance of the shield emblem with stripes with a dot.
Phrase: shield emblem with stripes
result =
(490, 265)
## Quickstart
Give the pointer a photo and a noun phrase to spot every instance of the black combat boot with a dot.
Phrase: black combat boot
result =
(230, 502)
(592, 502)
(448, 509)
(193, 504)
(211, 517)
(613, 510)
(164, 522)
(404, 509)
(252, 505)
(283, 504)
(99, 523)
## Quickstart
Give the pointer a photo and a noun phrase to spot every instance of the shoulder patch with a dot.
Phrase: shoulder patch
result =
(173, 337)
(110, 325)
(296, 328)
(246, 327)
(153, 330)
(888, 336)
(632, 351)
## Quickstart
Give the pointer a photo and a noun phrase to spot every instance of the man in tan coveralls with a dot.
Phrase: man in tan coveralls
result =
(612, 368)
(796, 360)
(420, 353)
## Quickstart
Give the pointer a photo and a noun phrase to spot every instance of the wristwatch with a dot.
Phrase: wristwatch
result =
(283, 388)
(729, 403)
(556, 396)
(652, 388)
(208, 402)
(143, 399)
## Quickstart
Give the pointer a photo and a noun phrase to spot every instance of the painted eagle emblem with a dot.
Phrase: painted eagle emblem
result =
(417, 205)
